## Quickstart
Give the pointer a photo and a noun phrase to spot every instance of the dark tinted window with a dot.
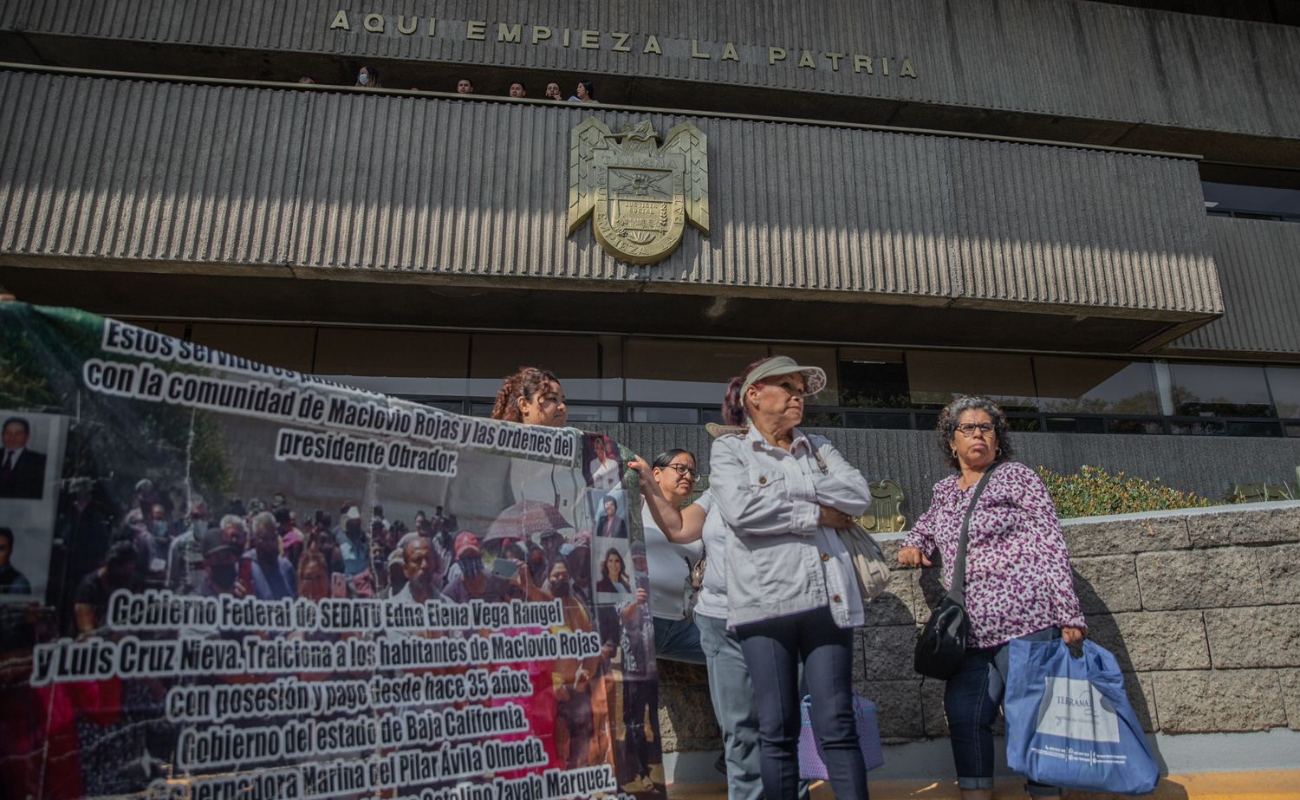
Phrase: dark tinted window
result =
(1204, 390)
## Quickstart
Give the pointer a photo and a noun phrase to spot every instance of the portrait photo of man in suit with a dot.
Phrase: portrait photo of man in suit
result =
(22, 471)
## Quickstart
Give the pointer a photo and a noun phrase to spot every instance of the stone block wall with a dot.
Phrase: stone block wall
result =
(1201, 608)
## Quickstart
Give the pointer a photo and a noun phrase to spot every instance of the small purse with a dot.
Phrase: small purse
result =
(941, 643)
(868, 559)
(694, 582)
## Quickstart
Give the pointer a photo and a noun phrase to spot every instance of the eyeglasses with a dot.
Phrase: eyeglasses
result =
(968, 429)
(682, 471)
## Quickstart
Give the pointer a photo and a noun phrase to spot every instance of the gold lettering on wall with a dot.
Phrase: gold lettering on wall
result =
(624, 42)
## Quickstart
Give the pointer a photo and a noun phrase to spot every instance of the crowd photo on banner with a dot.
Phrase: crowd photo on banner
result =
(221, 578)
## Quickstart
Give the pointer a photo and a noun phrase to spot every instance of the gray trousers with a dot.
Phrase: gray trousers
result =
(734, 706)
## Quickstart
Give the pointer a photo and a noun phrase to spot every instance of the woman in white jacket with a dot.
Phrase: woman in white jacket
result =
(792, 593)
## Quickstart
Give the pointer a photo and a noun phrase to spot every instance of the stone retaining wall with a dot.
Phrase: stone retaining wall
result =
(1202, 609)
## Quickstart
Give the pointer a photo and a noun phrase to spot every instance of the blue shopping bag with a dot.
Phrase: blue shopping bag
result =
(1069, 723)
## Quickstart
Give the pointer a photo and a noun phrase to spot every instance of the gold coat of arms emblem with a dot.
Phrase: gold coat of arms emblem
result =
(640, 194)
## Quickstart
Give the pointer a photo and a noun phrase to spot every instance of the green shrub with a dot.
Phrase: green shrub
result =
(1092, 492)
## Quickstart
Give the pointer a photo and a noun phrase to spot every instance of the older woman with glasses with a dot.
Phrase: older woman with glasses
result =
(1018, 579)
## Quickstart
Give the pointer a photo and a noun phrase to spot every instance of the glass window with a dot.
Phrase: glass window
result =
(1095, 386)
(935, 378)
(1263, 200)
(1076, 425)
(878, 420)
(579, 414)
(277, 345)
(672, 371)
(676, 416)
(1216, 390)
(1285, 383)
(871, 378)
(1146, 427)
(575, 360)
(1211, 427)
(407, 363)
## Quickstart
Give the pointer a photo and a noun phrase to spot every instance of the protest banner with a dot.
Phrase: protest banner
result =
(223, 580)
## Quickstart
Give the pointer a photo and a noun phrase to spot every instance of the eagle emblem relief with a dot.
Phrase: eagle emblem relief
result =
(640, 195)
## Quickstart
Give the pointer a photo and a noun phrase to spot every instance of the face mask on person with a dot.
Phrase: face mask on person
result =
(159, 529)
(200, 527)
(223, 575)
(560, 588)
(471, 566)
(363, 79)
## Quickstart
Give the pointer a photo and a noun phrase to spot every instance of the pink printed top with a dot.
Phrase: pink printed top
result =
(1018, 576)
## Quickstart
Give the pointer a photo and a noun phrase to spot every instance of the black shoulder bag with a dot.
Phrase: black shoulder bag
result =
(941, 644)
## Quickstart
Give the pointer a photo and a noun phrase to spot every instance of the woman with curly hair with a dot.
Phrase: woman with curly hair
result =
(1018, 579)
(532, 396)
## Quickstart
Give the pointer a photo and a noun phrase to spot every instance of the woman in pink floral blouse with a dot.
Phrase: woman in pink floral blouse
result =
(1018, 579)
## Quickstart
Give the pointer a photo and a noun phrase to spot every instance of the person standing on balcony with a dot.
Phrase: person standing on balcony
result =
(367, 77)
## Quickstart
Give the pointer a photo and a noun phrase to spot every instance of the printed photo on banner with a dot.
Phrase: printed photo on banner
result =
(610, 512)
(268, 584)
(29, 489)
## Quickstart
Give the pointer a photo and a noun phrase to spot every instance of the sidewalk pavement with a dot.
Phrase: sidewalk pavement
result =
(1270, 785)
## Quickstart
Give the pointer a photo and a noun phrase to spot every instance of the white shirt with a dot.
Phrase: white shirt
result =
(712, 601)
(668, 565)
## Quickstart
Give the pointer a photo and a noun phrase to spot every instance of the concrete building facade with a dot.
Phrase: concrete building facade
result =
(1083, 209)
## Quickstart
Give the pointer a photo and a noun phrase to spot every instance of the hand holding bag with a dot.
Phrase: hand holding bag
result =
(1069, 722)
(941, 644)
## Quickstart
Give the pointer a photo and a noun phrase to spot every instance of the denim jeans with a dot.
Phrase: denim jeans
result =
(734, 706)
(971, 700)
(678, 640)
(773, 651)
